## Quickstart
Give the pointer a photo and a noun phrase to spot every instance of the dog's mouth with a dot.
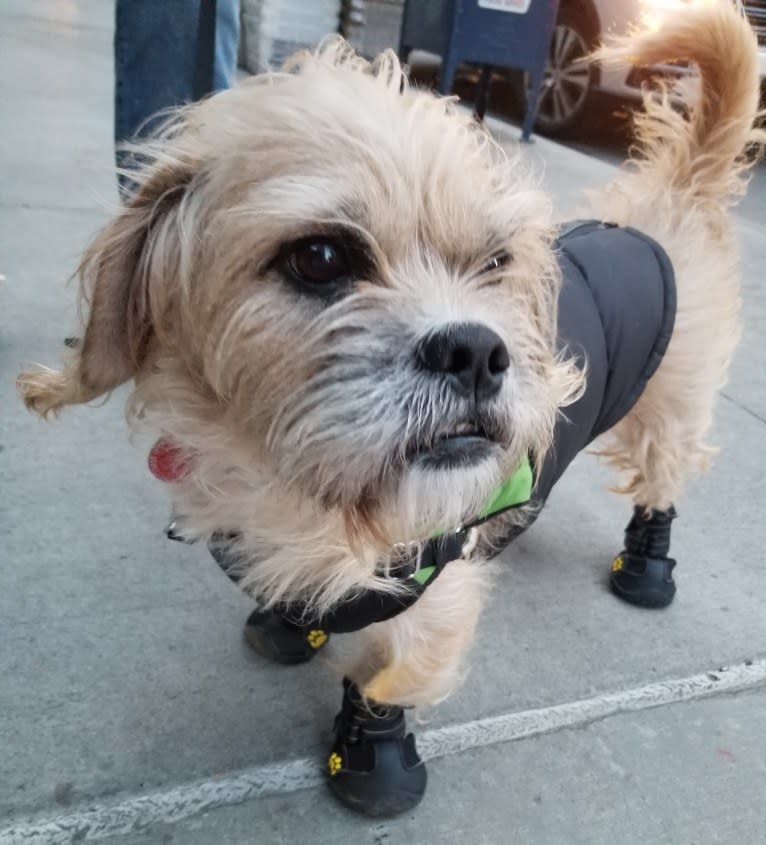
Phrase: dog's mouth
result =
(457, 445)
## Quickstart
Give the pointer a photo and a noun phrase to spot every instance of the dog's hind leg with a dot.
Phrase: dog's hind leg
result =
(415, 658)
(684, 176)
(663, 441)
(656, 448)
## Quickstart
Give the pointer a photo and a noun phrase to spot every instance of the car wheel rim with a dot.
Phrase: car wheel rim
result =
(566, 79)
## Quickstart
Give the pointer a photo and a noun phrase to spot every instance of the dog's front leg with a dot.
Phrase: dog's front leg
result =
(415, 658)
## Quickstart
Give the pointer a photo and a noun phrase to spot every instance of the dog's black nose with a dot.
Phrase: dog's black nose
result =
(472, 357)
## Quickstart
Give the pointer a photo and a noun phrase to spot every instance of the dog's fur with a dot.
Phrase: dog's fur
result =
(297, 413)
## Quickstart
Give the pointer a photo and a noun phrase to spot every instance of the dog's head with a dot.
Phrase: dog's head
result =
(344, 273)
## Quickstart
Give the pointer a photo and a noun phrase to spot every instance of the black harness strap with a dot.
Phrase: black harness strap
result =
(369, 606)
(373, 606)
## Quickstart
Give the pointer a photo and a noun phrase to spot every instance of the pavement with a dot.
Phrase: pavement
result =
(132, 711)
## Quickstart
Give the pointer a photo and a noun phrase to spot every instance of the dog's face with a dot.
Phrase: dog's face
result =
(352, 274)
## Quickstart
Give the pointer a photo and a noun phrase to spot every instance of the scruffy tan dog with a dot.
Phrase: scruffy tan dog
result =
(338, 300)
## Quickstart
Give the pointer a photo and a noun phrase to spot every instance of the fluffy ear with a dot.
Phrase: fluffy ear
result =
(117, 272)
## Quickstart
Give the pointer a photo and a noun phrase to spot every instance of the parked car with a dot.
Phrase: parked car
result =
(570, 87)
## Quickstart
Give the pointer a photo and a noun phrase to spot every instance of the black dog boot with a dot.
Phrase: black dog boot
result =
(270, 632)
(642, 573)
(374, 767)
(279, 639)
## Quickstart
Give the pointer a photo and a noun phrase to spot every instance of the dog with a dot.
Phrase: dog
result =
(341, 304)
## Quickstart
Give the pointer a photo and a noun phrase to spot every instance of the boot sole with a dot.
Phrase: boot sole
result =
(654, 599)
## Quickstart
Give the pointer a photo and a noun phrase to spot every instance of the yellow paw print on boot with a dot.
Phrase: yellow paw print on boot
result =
(316, 638)
(617, 563)
(334, 763)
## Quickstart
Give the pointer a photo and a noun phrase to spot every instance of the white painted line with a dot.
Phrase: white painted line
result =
(453, 739)
(134, 815)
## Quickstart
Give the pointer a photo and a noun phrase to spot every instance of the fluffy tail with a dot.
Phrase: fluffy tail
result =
(704, 155)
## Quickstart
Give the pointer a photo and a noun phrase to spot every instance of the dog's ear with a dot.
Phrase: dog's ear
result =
(121, 285)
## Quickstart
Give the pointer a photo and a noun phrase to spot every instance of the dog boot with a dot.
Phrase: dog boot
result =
(642, 573)
(270, 632)
(275, 637)
(374, 767)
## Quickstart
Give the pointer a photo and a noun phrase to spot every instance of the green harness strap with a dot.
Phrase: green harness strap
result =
(517, 490)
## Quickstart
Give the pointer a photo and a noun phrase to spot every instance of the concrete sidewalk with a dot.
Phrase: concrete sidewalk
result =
(132, 711)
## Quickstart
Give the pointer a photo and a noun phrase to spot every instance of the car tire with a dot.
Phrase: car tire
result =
(567, 91)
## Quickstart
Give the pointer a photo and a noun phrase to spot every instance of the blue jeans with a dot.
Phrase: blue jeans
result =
(155, 58)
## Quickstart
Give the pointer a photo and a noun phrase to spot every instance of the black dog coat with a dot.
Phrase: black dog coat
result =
(617, 309)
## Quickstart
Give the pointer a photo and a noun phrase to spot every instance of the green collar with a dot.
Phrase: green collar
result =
(517, 490)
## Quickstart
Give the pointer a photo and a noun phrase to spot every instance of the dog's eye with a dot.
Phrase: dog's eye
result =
(499, 260)
(318, 262)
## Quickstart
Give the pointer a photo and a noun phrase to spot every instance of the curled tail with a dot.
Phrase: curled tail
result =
(704, 155)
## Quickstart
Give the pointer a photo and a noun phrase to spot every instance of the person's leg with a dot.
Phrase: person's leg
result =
(154, 59)
(226, 43)
(156, 54)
